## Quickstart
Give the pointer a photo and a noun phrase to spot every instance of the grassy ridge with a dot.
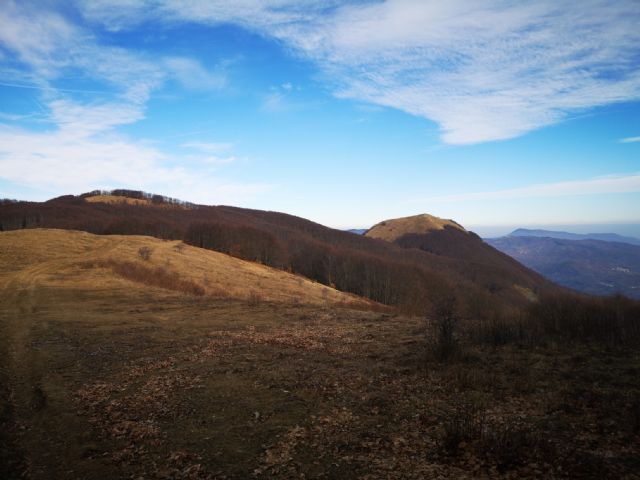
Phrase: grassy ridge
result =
(366, 267)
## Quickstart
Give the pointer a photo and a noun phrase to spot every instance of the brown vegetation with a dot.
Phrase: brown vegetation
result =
(443, 324)
(69, 259)
(145, 253)
(366, 267)
(132, 383)
(566, 318)
(152, 276)
(391, 230)
(190, 363)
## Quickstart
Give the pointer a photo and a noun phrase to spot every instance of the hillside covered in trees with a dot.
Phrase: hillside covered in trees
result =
(390, 274)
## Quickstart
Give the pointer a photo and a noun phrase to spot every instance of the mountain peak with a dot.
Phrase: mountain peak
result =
(393, 229)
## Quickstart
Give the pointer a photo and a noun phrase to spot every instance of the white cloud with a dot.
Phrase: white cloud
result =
(276, 102)
(58, 160)
(51, 48)
(594, 186)
(481, 70)
(211, 153)
(78, 121)
(35, 36)
(62, 162)
(83, 151)
(209, 147)
(254, 14)
(193, 75)
(630, 140)
(285, 98)
(81, 148)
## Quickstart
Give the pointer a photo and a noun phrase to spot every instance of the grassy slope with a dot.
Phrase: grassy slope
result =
(391, 230)
(353, 263)
(61, 258)
(113, 199)
(114, 380)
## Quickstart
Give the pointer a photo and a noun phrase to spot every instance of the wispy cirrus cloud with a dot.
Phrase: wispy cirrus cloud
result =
(193, 75)
(628, 183)
(212, 154)
(77, 158)
(285, 98)
(253, 14)
(481, 71)
(209, 147)
(76, 145)
(630, 140)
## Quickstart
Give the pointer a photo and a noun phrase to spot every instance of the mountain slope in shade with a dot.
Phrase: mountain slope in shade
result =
(605, 237)
(446, 238)
(591, 266)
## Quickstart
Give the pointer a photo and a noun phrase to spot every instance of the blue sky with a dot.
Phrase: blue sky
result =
(496, 113)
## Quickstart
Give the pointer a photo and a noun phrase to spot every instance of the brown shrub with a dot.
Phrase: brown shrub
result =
(570, 317)
(566, 317)
(464, 425)
(145, 253)
(254, 299)
(442, 328)
(506, 443)
(152, 276)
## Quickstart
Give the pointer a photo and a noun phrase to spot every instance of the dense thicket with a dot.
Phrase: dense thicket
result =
(368, 267)
(613, 320)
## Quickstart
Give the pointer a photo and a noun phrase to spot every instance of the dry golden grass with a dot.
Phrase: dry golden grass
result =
(391, 230)
(129, 201)
(71, 259)
(101, 377)
(117, 199)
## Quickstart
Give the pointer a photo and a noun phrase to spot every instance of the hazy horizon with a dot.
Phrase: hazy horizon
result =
(626, 230)
(491, 231)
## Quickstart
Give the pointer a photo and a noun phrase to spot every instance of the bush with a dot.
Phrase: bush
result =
(465, 424)
(613, 320)
(145, 253)
(500, 329)
(254, 299)
(506, 443)
(442, 328)
(565, 317)
(156, 277)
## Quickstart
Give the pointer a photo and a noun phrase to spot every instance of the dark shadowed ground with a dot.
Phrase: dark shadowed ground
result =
(117, 384)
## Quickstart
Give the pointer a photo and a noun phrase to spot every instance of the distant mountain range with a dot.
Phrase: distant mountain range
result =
(605, 237)
(586, 263)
